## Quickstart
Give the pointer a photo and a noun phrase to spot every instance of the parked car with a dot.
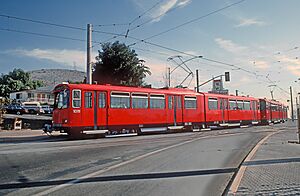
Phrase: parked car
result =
(15, 109)
(47, 109)
(33, 107)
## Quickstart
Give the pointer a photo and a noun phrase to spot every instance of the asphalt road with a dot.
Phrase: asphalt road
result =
(199, 163)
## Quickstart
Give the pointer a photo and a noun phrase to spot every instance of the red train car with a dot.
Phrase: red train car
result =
(272, 111)
(83, 108)
(229, 110)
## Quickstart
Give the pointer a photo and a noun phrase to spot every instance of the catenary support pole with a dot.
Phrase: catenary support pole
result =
(197, 80)
(292, 107)
(169, 77)
(298, 118)
(89, 48)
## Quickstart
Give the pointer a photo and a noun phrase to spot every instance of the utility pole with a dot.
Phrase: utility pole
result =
(88, 57)
(292, 107)
(236, 92)
(272, 94)
(169, 77)
(197, 81)
(298, 115)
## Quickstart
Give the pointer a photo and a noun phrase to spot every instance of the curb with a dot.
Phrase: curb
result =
(237, 177)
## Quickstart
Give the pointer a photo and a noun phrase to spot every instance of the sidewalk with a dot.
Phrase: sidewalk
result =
(22, 135)
(275, 167)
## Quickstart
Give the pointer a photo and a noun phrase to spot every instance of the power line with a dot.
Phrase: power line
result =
(117, 34)
(125, 34)
(152, 51)
(108, 33)
(212, 60)
(141, 15)
(45, 35)
(57, 25)
(193, 20)
(152, 19)
(138, 17)
(112, 24)
(42, 22)
(133, 20)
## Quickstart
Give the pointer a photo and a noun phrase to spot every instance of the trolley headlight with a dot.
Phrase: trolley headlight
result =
(65, 121)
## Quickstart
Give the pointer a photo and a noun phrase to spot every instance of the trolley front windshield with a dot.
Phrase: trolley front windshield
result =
(62, 99)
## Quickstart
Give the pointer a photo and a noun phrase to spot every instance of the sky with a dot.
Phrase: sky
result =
(256, 41)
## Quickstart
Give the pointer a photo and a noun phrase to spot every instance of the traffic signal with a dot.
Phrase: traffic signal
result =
(227, 76)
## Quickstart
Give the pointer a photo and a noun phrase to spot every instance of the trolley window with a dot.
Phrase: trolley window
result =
(190, 102)
(262, 105)
(274, 107)
(247, 105)
(178, 102)
(170, 102)
(223, 104)
(102, 100)
(139, 100)
(62, 100)
(76, 98)
(253, 105)
(119, 100)
(88, 100)
(240, 105)
(267, 105)
(157, 101)
(232, 105)
(212, 103)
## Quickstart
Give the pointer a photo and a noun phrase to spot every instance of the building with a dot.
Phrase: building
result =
(218, 87)
(43, 95)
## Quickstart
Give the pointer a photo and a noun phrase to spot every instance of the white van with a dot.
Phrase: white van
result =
(33, 107)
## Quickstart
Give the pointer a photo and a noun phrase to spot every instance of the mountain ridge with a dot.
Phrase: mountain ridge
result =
(51, 77)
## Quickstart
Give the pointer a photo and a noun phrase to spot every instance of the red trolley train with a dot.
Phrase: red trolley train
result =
(84, 109)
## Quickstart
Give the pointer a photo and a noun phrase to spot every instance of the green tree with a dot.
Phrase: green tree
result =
(16, 80)
(119, 65)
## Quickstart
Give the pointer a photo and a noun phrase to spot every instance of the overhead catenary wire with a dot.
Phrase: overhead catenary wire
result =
(125, 33)
(42, 22)
(231, 65)
(112, 24)
(45, 35)
(155, 18)
(133, 20)
(192, 20)
(212, 60)
(58, 25)
(110, 33)
(145, 12)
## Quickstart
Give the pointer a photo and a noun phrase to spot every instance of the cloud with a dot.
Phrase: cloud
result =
(261, 64)
(230, 46)
(287, 59)
(158, 76)
(184, 3)
(166, 7)
(293, 65)
(62, 56)
(294, 70)
(244, 22)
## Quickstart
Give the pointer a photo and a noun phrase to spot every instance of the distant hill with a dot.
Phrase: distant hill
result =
(52, 77)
